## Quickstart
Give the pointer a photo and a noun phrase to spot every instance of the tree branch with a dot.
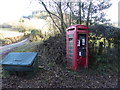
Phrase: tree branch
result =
(50, 13)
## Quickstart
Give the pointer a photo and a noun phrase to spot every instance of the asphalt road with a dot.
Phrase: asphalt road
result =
(5, 49)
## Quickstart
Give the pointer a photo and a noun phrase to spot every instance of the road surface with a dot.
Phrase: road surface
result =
(5, 49)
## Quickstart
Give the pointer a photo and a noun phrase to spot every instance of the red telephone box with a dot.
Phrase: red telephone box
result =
(77, 46)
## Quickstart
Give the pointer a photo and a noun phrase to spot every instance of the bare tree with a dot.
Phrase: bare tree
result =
(88, 15)
(59, 15)
(79, 14)
(67, 13)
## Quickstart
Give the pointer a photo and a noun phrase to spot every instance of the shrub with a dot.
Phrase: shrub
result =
(102, 56)
(35, 35)
(7, 41)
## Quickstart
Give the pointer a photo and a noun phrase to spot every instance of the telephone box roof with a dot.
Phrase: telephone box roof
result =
(78, 26)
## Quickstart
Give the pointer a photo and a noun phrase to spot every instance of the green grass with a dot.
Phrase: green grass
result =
(30, 47)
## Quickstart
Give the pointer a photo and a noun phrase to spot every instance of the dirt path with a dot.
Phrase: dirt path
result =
(60, 77)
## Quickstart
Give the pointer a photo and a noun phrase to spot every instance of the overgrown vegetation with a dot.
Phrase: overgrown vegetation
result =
(104, 48)
(35, 35)
(103, 51)
(53, 50)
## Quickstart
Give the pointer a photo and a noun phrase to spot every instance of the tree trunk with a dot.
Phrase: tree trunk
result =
(87, 22)
(70, 19)
(61, 16)
(79, 21)
(63, 24)
(109, 43)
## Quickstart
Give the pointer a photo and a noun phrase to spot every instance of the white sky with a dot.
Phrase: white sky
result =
(112, 12)
(13, 9)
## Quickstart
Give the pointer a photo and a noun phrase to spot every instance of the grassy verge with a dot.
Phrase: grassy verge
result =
(30, 47)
